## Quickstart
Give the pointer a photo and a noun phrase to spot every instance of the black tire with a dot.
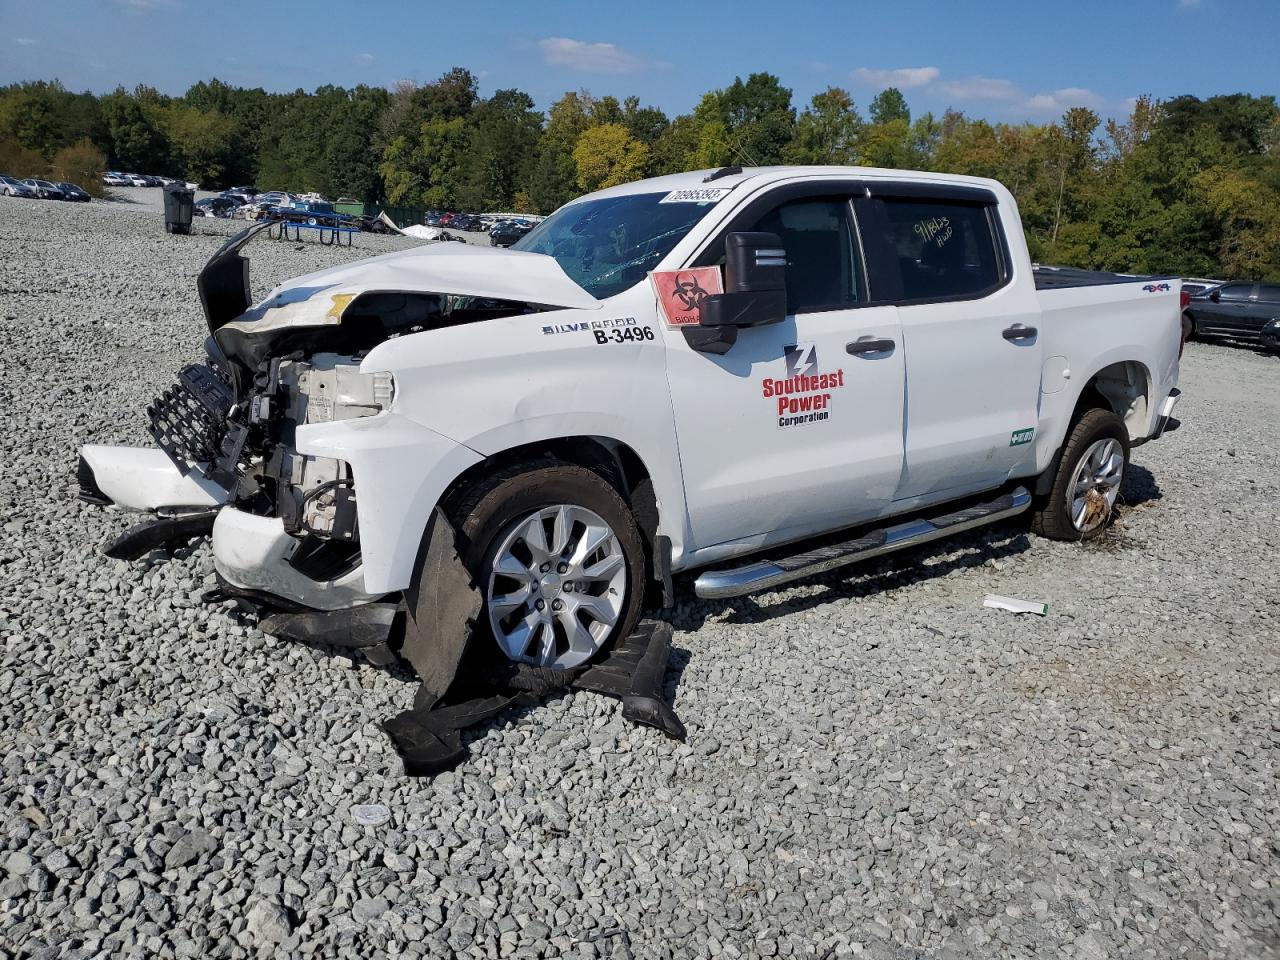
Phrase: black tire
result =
(1051, 517)
(485, 512)
(1188, 328)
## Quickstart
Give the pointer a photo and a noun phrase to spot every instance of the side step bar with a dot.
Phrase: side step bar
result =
(717, 584)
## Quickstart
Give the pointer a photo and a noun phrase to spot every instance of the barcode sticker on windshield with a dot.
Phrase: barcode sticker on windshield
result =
(696, 195)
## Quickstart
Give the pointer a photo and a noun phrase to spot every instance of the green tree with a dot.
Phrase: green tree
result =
(134, 138)
(827, 130)
(504, 135)
(608, 155)
(890, 105)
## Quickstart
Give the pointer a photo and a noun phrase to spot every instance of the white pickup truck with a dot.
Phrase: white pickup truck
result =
(809, 364)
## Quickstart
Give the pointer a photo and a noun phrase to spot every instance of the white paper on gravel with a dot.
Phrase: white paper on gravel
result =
(1015, 605)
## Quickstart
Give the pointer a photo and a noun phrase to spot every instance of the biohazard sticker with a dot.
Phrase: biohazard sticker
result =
(680, 292)
(696, 195)
(804, 395)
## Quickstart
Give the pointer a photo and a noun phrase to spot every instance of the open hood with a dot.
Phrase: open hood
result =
(318, 299)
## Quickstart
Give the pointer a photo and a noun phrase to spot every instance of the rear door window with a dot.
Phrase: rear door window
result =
(944, 249)
(1269, 293)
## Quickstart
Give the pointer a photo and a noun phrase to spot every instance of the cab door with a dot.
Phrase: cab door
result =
(797, 428)
(970, 339)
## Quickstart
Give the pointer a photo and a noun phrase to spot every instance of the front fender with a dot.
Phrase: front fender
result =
(401, 470)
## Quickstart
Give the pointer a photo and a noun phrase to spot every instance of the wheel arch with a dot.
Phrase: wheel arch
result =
(1124, 388)
(615, 460)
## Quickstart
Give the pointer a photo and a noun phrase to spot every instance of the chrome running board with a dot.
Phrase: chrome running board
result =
(717, 584)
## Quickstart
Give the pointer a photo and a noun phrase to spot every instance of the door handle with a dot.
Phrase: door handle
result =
(1019, 331)
(869, 345)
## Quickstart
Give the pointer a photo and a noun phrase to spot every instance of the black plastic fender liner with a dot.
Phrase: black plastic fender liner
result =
(442, 605)
(167, 532)
(428, 737)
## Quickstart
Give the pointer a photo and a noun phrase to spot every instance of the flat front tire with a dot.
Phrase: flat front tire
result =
(1086, 487)
(560, 562)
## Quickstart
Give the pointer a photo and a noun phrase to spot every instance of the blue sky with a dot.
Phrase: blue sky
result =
(1002, 59)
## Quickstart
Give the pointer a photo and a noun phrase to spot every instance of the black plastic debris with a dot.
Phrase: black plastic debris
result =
(366, 629)
(429, 736)
(167, 532)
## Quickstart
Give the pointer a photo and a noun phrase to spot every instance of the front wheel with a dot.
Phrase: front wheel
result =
(556, 551)
(1087, 485)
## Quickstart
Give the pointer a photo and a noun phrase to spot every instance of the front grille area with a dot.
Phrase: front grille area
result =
(189, 423)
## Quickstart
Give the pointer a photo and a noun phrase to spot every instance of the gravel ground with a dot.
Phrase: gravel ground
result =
(877, 766)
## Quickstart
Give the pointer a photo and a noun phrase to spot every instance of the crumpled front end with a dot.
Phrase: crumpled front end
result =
(293, 454)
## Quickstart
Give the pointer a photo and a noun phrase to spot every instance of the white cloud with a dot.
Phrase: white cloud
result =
(905, 78)
(365, 57)
(589, 57)
(982, 88)
(24, 41)
(1064, 99)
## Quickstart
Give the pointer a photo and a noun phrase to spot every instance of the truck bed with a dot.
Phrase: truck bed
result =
(1054, 278)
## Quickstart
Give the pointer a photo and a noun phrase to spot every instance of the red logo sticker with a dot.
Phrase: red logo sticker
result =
(681, 291)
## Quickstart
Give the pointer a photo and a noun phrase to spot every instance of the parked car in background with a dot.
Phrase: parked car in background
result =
(216, 207)
(312, 213)
(11, 187)
(464, 221)
(71, 192)
(135, 180)
(243, 194)
(507, 232)
(112, 179)
(432, 219)
(1239, 309)
(44, 189)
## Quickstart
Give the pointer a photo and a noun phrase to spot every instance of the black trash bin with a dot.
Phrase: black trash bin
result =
(179, 204)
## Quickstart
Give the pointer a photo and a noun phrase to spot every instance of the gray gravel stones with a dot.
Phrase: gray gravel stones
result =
(877, 766)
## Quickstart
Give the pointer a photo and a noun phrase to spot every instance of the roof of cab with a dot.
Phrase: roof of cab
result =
(695, 179)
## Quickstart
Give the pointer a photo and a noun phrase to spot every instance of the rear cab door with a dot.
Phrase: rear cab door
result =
(788, 433)
(969, 322)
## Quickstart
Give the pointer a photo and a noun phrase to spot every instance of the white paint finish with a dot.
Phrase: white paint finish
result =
(744, 475)
(1055, 375)
(968, 390)
(1094, 327)
(253, 553)
(144, 478)
(401, 469)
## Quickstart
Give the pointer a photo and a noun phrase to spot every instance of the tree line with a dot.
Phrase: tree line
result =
(1184, 186)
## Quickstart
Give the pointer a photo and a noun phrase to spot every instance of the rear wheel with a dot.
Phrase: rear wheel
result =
(559, 559)
(1087, 485)
(1188, 328)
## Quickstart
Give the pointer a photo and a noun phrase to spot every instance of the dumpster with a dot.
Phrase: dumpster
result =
(179, 203)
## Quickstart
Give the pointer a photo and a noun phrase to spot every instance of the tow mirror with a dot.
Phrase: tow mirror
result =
(755, 292)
